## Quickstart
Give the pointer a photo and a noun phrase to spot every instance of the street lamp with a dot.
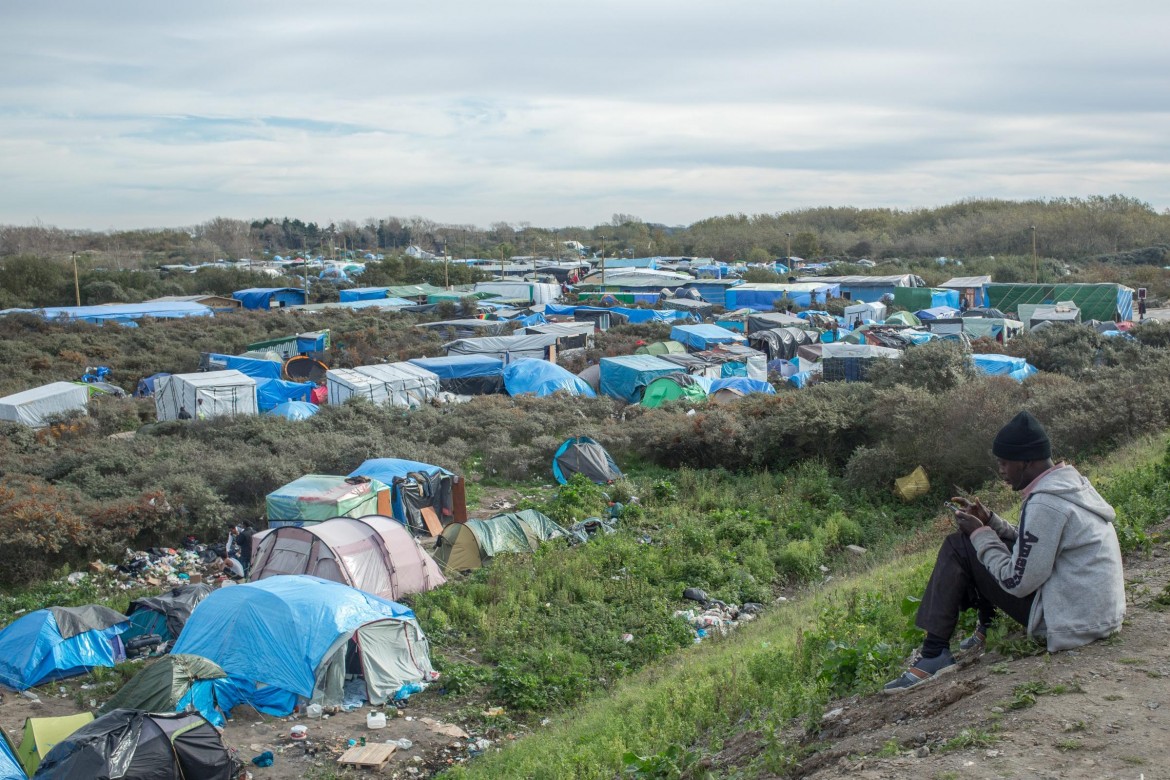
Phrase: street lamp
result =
(446, 273)
(76, 279)
(789, 255)
(1035, 257)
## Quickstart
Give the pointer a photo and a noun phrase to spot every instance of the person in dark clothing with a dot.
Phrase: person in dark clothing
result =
(1058, 573)
(184, 414)
(244, 543)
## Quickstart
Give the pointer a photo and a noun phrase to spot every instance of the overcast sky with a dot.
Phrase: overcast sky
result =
(159, 114)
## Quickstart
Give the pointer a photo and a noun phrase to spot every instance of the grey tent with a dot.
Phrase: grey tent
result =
(582, 455)
(165, 614)
(780, 343)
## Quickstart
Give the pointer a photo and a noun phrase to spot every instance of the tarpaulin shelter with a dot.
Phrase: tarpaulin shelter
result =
(375, 554)
(391, 384)
(415, 489)
(257, 368)
(530, 292)
(736, 360)
(703, 336)
(206, 395)
(270, 297)
(570, 335)
(466, 374)
(867, 288)
(304, 368)
(294, 410)
(59, 642)
(287, 640)
(123, 313)
(134, 745)
(973, 288)
(271, 393)
(42, 734)
(315, 498)
(915, 298)
(467, 328)
(465, 546)
(507, 348)
(541, 378)
(165, 614)
(625, 377)
(633, 316)
(10, 768)
(164, 684)
(674, 387)
(729, 389)
(805, 293)
(936, 313)
(1017, 368)
(699, 309)
(34, 407)
(583, 455)
(1035, 314)
(780, 343)
(851, 362)
(1105, 301)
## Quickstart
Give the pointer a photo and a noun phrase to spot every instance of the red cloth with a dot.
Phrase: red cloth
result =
(319, 395)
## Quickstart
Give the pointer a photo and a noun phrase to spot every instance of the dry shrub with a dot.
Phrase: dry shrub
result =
(39, 529)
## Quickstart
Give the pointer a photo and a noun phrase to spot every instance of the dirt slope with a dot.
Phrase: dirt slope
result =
(1102, 711)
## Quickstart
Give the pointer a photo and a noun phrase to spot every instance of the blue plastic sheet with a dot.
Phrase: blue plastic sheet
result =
(33, 651)
(742, 385)
(253, 367)
(541, 378)
(294, 410)
(271, 393)
(703, 336)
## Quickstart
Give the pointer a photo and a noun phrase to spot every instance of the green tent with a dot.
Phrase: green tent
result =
(160, 686)
(903, 318)
(41, 734)
(662, 348)
(673, 387)
(464, 546)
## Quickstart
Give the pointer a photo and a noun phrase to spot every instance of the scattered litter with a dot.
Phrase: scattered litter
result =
(264, 759)
(298, 732)
(856, 549)
(376, 720)
(446, 729)
(76, 577)
(831, 714)
(627, 638)
(696, 594)
(493, 712)
(401, 744)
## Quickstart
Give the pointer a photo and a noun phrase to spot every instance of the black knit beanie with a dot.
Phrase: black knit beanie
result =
(1021, 439)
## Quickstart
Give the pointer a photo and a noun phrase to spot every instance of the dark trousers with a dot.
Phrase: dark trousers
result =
(960, 582)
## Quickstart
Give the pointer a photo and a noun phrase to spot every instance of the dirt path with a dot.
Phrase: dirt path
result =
(1102, 711)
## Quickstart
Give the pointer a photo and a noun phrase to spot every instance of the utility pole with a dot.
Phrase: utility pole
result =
(501, 262)
(1035, 257)
(788, 256)
(76, 278)
(446, 272)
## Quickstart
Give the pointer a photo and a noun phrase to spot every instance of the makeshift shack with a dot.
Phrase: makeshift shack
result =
(206, 395)
(465, 374)
(391, 384)
(626, 377)
(851, 362)
(507, 348)
(270, 297)
(315, 498)
(697, 338)
(37, 406)
(421, 494)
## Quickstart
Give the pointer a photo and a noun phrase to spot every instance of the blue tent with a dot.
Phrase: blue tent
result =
(467, 374)
(10, 768)
(363, 294)
(625, 377)
(271, 393)
(742, 385)
(145, 387)
(937, 313)
(59, 642)
(701, 337)
(281, 638)
(267, 297)
(253, 367)
(294, 410)
(120, 312)
(397, 473)
(1004, 365)
(541, 378)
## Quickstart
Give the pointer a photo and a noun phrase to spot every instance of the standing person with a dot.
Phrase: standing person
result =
(184, 414)
(1058, 573)
(244, 541)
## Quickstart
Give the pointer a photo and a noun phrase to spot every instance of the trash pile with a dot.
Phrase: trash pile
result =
(716, 616)
(157, 567)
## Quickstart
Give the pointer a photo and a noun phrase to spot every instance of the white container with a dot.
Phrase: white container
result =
(313, 711)
(376, 720)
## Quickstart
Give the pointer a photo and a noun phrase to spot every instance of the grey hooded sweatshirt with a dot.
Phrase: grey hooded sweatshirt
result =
(1066, 552)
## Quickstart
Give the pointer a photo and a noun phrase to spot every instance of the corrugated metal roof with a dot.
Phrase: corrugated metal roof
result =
(963, 282)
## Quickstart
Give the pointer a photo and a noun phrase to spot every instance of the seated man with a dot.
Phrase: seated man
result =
(1058, 573)
(232, 568)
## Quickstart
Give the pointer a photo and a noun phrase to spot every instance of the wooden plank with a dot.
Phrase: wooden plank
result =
(434, 527)
(368, 756)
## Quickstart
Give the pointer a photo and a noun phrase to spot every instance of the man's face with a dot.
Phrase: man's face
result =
(1012, 472)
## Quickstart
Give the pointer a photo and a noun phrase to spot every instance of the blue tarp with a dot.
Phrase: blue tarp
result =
(937, 313)
(33, 650)
(743, 385)
(461, 366)
(1004, 365)
(635, 316)
(625, 377)
(801, 379)
(271, 393)
(278, 630)
(363, 294)
(294, 410)
(702, 337)
(387, 470)
(541, 378)
(253, 367)
(10, 768)
(146, 385)
(120, 312)
(262, 297)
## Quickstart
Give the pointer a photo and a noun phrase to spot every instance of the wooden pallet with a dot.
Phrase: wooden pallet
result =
(368, 757)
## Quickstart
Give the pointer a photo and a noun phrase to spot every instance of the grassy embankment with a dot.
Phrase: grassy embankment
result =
(845, 637)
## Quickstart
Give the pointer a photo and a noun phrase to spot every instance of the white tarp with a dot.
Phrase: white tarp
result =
(205, 395)
(31, 407)
(525, 291)
(840, 349)
(397, 384)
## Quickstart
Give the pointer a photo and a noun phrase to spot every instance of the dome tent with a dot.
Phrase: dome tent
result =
(285, 640)
(60, 642)
(167, 684)
(374, 554)
(10, 768)
(465, 546)
(132, 744)
(541, 378)
(582, 455)
(165, 614)
(674, 387)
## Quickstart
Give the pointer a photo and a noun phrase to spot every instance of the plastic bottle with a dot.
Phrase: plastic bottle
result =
(313, 711)
(376, 720)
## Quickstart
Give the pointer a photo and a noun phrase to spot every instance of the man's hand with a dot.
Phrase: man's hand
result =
(974, 507)
(968, 521)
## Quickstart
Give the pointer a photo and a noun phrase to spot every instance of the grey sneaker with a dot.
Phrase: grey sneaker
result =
(924, 669)
(976, 642)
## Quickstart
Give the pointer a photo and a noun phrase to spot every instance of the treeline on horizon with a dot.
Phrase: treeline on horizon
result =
(1111, 228)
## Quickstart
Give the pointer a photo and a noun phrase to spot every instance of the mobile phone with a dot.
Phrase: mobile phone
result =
(951, 505)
